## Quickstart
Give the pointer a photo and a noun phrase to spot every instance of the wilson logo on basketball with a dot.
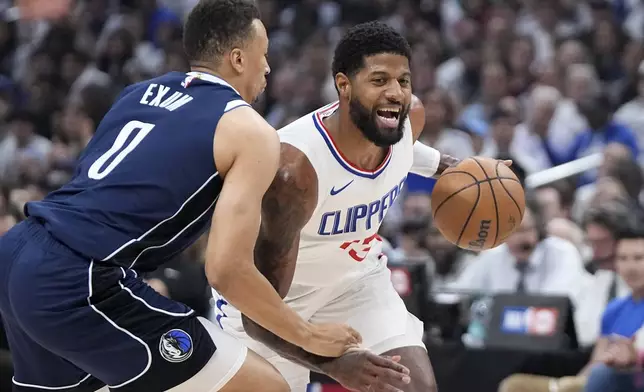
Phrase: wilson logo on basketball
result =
(484, 231)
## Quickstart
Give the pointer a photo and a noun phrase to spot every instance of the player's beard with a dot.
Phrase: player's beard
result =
(365, 120)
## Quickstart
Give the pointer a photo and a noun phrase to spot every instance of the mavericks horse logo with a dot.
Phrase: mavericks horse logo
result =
(175, 346)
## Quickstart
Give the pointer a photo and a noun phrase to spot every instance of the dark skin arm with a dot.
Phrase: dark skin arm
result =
(286, 208)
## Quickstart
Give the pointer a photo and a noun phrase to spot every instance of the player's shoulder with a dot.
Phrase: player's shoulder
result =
(296, 178)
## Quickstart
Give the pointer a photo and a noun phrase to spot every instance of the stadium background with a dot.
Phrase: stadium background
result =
(497, 77)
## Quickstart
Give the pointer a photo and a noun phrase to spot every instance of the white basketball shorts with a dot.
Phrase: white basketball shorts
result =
(369, 304)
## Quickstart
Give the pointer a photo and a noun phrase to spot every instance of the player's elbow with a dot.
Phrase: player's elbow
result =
(220, 275)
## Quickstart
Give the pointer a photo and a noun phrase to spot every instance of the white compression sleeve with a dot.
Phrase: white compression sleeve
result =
(426, 160)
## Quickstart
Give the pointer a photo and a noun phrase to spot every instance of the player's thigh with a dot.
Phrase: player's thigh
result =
(420, 368)
(256, 374)
(37, 369)
(373, 307)
(109, 323)
(232, 368)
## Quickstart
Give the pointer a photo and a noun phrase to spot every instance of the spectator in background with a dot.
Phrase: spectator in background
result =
(501, 133)
(569, 231)
(526, 144)
(22, 149)
(630, 114)
(439, 131)
(601, 227)
(460, 74)
(603, 131)
(520, 59)
(410, 243)
(494, 80)
(447, 260)
(550, 203)
(620, 177)
(622, 322)
(580, 82)
(528, 262)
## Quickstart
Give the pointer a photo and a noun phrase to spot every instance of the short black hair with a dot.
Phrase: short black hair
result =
(215, 26)
(615, 216)
(631, 232)
(367, 39)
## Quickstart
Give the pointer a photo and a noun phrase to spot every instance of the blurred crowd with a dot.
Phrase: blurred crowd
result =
(541, 82)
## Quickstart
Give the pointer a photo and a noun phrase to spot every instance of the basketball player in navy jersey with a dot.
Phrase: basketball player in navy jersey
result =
(173, 154)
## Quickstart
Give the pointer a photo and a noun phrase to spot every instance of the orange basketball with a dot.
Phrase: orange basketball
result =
(478, 203)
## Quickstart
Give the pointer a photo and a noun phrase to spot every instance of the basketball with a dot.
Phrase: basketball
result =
(478, 203)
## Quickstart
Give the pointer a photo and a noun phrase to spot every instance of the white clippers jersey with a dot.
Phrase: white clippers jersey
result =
(341, 240)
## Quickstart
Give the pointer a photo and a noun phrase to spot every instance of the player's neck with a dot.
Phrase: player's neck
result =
(353, 145)
(221, 75)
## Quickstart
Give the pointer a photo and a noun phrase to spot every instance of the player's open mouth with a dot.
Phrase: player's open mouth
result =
(388, 117)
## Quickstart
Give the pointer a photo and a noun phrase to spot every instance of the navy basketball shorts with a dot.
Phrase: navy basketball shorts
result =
(76, 325)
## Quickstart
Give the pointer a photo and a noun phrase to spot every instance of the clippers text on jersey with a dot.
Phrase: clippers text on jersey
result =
(351, 220)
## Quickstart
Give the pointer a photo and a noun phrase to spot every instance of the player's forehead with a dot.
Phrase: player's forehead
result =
(390, 64)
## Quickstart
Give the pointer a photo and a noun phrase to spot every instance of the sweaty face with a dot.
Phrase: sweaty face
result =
(380, 98)
(256, 63)
(629, 263)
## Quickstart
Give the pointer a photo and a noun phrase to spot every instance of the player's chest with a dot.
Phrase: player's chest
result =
(351, 204)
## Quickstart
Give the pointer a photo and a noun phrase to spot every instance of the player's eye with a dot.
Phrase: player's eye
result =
(405, 82)
(378, 81)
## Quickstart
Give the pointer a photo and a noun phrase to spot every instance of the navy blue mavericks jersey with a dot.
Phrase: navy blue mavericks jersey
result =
(146, 185)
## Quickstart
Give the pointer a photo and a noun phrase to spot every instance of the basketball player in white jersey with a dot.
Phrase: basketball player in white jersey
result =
(341, 168)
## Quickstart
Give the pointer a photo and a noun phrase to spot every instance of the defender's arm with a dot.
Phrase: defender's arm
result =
(428, 162)
(287, 206)
(246, 151)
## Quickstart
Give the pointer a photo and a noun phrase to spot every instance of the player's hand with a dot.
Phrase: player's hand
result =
(507, 162)
(332, 340)
(43, 9)
(363, 371)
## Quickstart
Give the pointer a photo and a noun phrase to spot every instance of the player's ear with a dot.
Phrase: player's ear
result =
(343, 85)
(237, 59)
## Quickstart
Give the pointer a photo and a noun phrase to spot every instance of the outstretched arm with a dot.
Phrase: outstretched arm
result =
(246, 151)
(287, 206)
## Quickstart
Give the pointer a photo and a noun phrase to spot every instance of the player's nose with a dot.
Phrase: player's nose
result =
(394, 93)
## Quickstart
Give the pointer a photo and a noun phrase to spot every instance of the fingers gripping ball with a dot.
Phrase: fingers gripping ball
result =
(478, 203)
